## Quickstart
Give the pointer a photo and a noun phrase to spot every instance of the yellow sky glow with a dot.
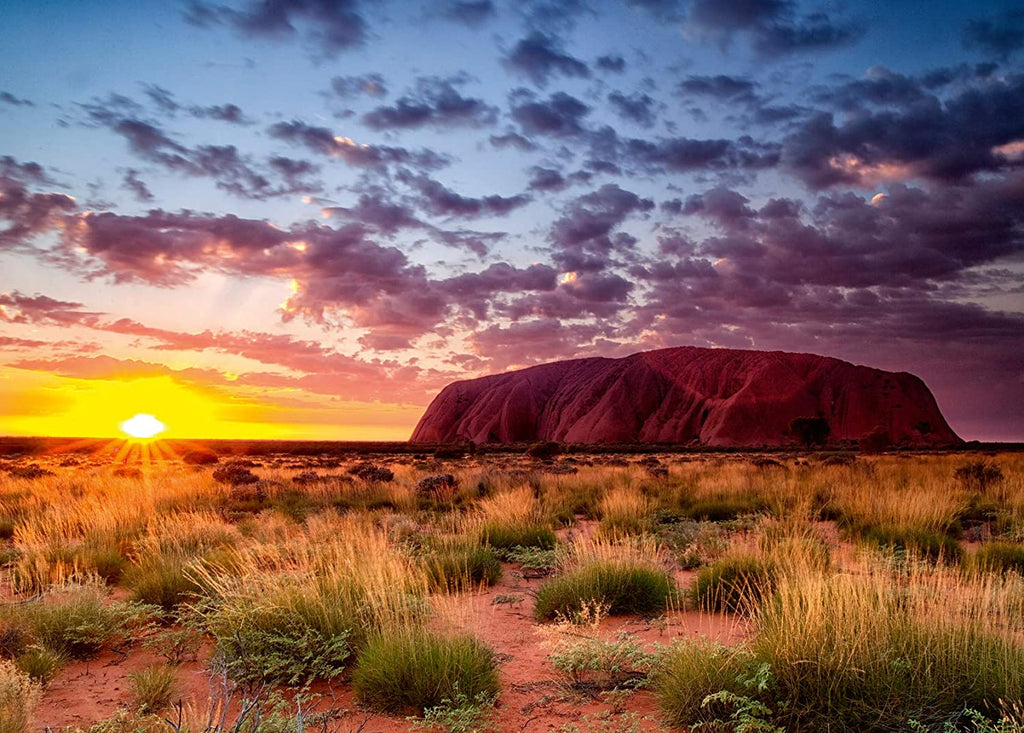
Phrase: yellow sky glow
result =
(39, 403)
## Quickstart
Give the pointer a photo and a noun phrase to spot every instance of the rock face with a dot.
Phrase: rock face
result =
(712, 397)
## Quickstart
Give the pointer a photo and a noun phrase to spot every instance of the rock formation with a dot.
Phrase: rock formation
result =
(711, 397)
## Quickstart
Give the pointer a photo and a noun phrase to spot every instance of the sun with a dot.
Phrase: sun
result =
(143, 426)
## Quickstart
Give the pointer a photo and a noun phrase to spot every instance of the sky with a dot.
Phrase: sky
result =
(302, 218)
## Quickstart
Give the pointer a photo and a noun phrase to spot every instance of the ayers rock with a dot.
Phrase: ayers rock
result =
(712, 397)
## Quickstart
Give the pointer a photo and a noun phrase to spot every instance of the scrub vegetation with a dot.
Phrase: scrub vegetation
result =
(867, 592)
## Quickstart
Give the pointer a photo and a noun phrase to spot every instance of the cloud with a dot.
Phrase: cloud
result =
(165, 101)
(322, 141)
(435, 102)
(24, 214)
(331, 26)
(720, 87)
(131, 182)
(583, 238)
(8, 98)
(539, 57)
(1000, 36)
(612, 63)
(438, 200)
(772, 27)
(471, 13)
(637, 107)
(561, 115)
(349, 87)
(941, 140)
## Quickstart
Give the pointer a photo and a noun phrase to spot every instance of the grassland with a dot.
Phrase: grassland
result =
(388, 591)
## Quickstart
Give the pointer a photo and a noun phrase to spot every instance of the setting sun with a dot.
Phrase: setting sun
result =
(143, 426)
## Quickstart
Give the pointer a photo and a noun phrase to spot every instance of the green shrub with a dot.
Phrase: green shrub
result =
(620, 586)
(461, 568)
(76, 621)
(999, 557)
(722, 509)
(18, 698)
(152, 688)
(161, 580)
(502, 536)
(734, 583)
(533, 560)
(410, 670)
(264, 641)
(593, 663)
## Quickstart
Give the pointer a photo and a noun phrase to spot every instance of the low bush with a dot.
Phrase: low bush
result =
(734, 583)
(593, 663)
(413, 669)
(283, 640)
(75, 621)
(978, 475)
(458, 568)
(621, 586)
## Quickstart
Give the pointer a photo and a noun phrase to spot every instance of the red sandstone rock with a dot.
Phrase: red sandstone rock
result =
(715, 397)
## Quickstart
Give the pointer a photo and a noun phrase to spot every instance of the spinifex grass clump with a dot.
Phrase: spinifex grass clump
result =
(689, 671)
(734, 583)
(299, 616)
(999, 557)
(624, 511)
(861, 652)
(18, 698)
(512, 518)
(623, 578)
(455, 566)
(406, 670)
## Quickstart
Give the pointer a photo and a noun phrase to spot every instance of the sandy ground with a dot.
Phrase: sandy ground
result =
(535, 697)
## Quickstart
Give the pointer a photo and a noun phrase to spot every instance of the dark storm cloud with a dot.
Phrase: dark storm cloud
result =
(561, 115)
(942, 140)
(349, 87)
(538, 57)
(472, 13)
(321, 140)
(612, 63)
(435, 102)
(1001, 36)
(584, 237)
(772, 27)
(438, 200)
(637, 107)
(331, 26)
(131, 182)
(8, 98)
